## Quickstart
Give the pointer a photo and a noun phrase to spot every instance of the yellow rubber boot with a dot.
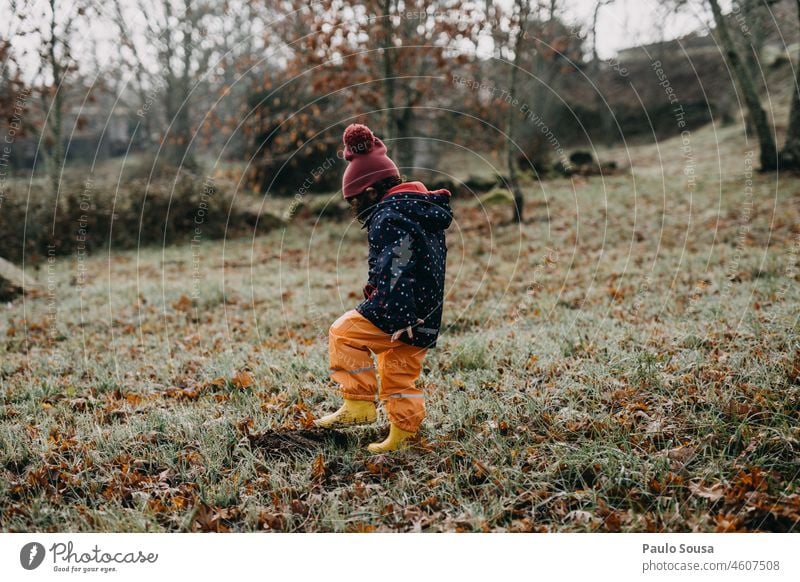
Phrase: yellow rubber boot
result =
(398, 439)
(352, 412)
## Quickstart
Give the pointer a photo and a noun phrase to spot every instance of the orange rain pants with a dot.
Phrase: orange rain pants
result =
(352, 338)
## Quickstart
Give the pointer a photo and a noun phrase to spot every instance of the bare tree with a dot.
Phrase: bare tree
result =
(790, 154)
(55, 32)
(173, 28)
(768, 152)
(11, 84)
(606, 128)
(522, 10)
(419, 41)
(386, 54)
(186, 55)
(540, 50)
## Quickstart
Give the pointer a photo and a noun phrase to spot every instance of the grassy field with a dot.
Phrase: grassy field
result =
(626, 360)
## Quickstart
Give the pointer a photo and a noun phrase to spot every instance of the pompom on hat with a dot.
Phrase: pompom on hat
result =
(368, 162)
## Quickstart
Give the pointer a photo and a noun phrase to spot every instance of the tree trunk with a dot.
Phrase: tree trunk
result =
(54, 155)
(768, 154)
(606, 125)
(178, 85)
(179, 154)
(753, 13)
(511, 162)
(397, 121)
(388, 70)
(403, 146)
(790, 154)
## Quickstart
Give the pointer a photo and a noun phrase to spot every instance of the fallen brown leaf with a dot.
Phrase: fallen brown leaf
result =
(714, 492)
(183, 304)
(242, 380)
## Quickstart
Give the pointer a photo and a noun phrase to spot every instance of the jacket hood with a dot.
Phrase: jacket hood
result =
(429, 208)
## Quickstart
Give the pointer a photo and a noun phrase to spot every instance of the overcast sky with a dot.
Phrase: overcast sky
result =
(627, 23)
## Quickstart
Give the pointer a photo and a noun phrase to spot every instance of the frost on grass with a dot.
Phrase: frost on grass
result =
(601, 370)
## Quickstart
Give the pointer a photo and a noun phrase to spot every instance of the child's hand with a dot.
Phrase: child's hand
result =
(396, 335)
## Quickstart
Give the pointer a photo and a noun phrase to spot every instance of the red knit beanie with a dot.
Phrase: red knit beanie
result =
(368, 160)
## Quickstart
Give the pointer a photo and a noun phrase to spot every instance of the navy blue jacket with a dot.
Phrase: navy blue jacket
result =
(407, 256)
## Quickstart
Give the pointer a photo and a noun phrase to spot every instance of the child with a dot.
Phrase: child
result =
(401, 313)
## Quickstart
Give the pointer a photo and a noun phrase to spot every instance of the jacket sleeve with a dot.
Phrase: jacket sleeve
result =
(391, 304)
